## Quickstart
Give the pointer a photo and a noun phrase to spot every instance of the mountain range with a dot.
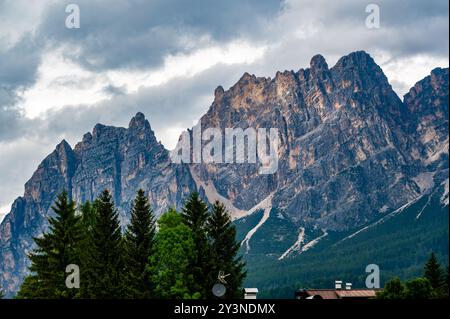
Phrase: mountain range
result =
(357, 165)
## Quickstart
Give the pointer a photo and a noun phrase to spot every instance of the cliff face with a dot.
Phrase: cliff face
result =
(121, 160)
(349, 152)
(350, 149)
(427, 105)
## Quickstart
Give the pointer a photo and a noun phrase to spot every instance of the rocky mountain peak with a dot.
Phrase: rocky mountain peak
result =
(318, 64)
(63, 147)
(218, 93)
(358, 71)
(431, 86)
(87, 138)
(356, 59)
(96, 132)
(62, 154)
(139, 122)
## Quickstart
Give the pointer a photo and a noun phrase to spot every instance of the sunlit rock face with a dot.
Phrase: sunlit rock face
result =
(349, 150)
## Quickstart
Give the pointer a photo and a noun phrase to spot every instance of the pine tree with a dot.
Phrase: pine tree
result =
(87, 222)
(433, 272)
(55, 250)
(224, 251)
(170, 262)
(88, 217)
(104, 263)
(195, 215)
(139, 244)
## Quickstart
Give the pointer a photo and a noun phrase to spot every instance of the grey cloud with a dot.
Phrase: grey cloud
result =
(114, 90)
(72, 82)
(10, 122)
(18, 70)
(18, 64)
(177, 103)
(407, 27)
(139, 33)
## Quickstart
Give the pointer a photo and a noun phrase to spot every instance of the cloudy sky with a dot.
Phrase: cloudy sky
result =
(165, 58)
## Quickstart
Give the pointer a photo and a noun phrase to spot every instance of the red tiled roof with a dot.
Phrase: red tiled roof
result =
(325, 294)
(356, 293)
(338, 294)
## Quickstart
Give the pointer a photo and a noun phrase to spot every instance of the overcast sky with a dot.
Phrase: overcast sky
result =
(166, 57)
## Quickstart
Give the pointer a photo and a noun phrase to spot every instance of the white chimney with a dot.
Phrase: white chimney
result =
(338, 284)
(250, 293)
(348, 286)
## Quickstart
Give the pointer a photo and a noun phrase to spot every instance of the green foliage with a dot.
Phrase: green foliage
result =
(419, 288)
(394, 289)
(104, 262)
(195, 215)
(172, 258)
(55, 250)
(431, 286)
(224, 251)
(400, 246)
(139, 243)
(87, 222)
(181, 260)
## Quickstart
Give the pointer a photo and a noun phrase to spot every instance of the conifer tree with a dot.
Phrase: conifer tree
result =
(445, 286)
(139, 242)
(87, 222)
(170, 262)
(104, 263)
(55, 250)
(433, 272)
(224, 251)
(195, 215)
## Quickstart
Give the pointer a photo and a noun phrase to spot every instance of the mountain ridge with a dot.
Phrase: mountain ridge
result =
(345, 147)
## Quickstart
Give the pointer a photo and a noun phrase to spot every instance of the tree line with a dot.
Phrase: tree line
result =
(432, 285)
(177, 257)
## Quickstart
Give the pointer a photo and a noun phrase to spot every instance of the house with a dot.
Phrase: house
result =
(336, 293)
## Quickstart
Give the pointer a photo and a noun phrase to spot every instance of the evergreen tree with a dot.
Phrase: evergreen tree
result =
(88, 217)
(433, 272)
(104, 263)
(87, 222)
(195, 215)
(139, 242)
(224, 251)
(55, 250)
(446, 284)
(170, 262)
